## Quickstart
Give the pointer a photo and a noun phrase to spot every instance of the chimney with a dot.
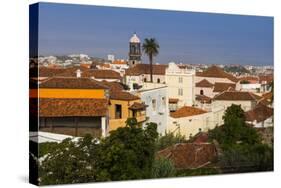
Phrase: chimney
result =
(78, 73)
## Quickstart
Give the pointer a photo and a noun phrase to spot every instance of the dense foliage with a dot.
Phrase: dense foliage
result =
(128, 153)
(242, 149)
(169, 139)
(163, 168)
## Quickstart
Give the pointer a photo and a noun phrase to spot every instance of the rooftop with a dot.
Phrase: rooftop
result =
(237, 96)
(259, 113)
(221, 86)
(189, 155)
(72, 107)
(72, 83)
(216, 72)
(204, 83)
(187, 111)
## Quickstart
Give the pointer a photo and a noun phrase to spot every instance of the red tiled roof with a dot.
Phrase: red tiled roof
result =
(203, 99)
(102, 74)
(216, 72)
(237, 96)
(189, 155)
(113, 85)
(72, 107)
(266, 78)
(140, 69)
(204, 83)
(122, 95)
(72, 83)
(251, 79)
(137, 106)
(118, 62)
(187, 111)
(200, 138)
(173, 100)
(220, 87)
(259, 113)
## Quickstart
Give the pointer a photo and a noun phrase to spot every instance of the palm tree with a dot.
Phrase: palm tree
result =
(150, 48)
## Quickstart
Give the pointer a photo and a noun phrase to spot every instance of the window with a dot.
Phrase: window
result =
(154, 104)
(163, 101)
(144, 80)
(201, 92)
(180, 79)
(118, 111)
(158, 80)
(180, 92)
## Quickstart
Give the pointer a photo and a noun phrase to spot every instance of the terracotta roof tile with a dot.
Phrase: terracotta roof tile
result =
(173, 100)
(259, 113)
(72, 83)
(137, 106)
(72, 107)
(189, 155)
(187, 111)
(118, 62)
(140, 69)
(204, 83)
(237, 96)
(220, 86)
(203, 99)
(216, 72)
(102, 74)
(122, 95)
(266, 79)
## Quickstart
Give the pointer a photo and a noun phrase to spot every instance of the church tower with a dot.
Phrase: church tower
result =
(134, 50)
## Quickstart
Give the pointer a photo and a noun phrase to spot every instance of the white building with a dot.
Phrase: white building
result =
(156, 98)
(110, 57)
(188, 121)
(180, 84)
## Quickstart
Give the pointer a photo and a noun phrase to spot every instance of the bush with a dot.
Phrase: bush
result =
(128, 153)
(169, 139)
(163, 168)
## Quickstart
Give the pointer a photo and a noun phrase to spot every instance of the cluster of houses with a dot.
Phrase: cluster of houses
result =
(98, 99)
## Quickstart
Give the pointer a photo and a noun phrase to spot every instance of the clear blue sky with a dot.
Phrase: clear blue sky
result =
(186, 37)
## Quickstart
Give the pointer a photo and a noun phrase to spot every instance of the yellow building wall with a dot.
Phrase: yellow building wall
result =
(68, 93)
(126, 113)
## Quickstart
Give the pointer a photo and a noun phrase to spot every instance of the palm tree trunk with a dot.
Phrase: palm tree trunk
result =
(151, 67)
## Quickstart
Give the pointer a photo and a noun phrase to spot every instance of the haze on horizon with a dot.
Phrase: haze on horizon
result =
(186, 37)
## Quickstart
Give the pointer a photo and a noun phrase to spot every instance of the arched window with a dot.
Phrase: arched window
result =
(158, 80)
(201, 92)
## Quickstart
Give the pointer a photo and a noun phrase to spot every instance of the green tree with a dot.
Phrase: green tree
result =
(69, 162)
(242, 150)
(163, 168)
(151, 49)
(128, 153)
(169, 139)
(235, 128)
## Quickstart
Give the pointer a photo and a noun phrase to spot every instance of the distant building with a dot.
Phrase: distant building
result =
(110, 57)
(134, 50)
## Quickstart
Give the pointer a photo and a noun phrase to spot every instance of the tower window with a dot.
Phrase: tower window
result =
(180, 92)
(201, 92)
(180, 79)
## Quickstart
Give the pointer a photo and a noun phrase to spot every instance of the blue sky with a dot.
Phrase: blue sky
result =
(186, 37)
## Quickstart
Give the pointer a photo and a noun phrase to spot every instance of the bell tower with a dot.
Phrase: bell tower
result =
(134, 50)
